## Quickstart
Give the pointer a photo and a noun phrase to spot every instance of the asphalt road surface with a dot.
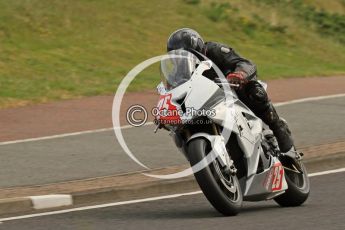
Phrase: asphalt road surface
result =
(99, 154)
(323, 210)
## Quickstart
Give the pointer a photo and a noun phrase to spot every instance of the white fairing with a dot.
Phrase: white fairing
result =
(196, 91)
(201, 89)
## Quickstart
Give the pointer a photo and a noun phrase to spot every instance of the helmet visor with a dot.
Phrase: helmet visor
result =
(177, 68)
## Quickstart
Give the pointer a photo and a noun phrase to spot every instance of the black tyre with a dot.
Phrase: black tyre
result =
(223, 191)
(298, 184)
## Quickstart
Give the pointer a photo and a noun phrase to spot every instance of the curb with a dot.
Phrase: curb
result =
(31, 203)
(114, 194)
(15, 205)
(128, 186)
(136, 192)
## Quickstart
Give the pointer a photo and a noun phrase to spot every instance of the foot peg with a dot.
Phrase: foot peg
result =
(293, 153)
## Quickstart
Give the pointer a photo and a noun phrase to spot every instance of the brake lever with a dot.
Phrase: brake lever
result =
(157, 127)
(227, 83)
(160, 126)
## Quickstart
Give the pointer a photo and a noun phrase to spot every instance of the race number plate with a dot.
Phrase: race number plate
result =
(167, 113)
(274, 180)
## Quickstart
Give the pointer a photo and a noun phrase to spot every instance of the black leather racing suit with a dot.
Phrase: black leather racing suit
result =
(252, 93)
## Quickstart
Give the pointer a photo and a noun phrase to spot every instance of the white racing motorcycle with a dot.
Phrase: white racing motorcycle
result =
(233, 153)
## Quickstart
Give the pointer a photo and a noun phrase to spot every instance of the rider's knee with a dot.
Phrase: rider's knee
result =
(256, 93)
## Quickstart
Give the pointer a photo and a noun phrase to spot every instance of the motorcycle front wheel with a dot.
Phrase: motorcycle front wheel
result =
(221, 189)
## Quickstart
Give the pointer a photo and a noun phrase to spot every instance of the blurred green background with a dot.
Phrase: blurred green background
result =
(61, 49)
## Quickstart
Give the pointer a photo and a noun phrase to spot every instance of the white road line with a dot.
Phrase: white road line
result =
(135, 201)
(327, 172)
(67, 134)
(307, 99)
(55, 136)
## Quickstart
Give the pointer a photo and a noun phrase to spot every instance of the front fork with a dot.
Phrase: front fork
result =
(218, 148)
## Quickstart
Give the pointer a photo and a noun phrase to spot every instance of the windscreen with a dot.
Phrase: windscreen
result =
(177, 68)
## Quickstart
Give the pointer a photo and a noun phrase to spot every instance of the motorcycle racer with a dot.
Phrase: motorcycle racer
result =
(241, 71)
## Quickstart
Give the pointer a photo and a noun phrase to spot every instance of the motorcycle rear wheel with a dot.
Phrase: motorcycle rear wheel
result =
(298, 184)
(224, 195)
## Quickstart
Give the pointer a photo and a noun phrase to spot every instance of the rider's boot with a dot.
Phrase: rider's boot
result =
(280, 129)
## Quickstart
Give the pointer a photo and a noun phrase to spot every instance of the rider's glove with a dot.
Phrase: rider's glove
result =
(238, 78)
